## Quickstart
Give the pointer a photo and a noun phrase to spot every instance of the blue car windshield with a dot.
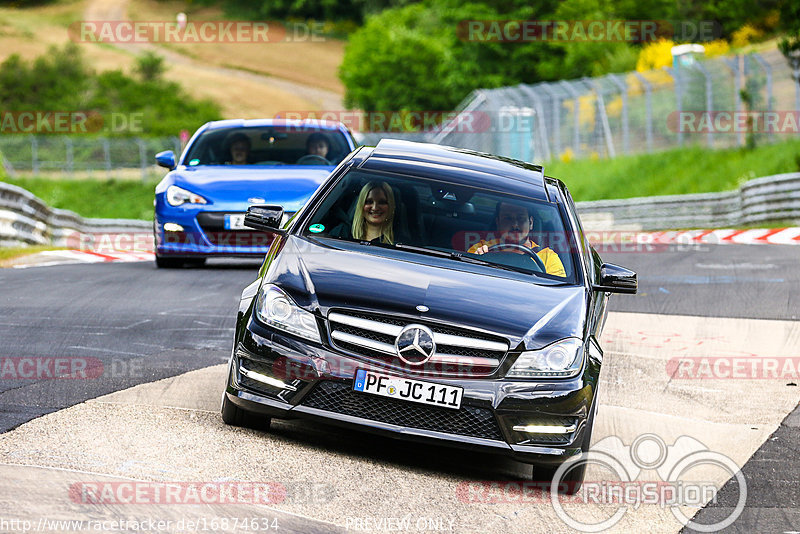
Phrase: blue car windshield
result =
(268, 145)
(453, 221)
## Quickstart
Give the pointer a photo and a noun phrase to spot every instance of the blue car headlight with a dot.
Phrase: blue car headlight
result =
(177, 196)
(276, 309)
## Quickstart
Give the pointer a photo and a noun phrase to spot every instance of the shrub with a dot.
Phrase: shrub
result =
(60, 80)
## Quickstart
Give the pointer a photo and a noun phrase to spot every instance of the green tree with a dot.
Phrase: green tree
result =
(423, 57)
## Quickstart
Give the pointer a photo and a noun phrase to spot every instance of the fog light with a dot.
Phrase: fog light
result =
(173, 227)
(264, 379)
(546, 429)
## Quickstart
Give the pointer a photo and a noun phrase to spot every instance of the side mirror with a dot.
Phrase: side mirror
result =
(264, 217)
(616, 279)
(166, 159)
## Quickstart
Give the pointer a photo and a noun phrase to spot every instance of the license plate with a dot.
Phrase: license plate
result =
(407, 389)
(234, 221)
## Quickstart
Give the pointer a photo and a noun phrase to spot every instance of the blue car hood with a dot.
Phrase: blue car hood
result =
(288, 186)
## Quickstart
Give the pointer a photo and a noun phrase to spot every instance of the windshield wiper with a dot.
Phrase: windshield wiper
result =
(459, 256)
(424, 250)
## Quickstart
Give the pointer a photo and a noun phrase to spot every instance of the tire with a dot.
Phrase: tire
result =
(572, 478)
(195, 262)
(168, 263)
(235, 416)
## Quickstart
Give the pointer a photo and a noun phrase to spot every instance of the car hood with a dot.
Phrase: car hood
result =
(320, 276)
(288, 186)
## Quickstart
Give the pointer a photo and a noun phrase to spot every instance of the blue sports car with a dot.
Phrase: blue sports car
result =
(228, 165)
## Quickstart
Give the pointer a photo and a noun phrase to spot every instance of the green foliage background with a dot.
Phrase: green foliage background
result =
(62, 81)
(412, 56)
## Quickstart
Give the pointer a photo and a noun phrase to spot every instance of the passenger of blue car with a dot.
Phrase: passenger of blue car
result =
(239, 147)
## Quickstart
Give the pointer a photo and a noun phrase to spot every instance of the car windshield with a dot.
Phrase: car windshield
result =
(458, 222)
(268, 145)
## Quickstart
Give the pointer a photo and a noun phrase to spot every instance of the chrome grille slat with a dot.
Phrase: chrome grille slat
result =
(364, 342)
(366, 324)
(372, 335)
(471, 343)
(471, 360)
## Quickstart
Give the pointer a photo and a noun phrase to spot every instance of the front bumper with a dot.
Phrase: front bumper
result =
(204, 235)
(283, 377)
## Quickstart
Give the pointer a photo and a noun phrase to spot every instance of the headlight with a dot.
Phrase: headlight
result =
(275, 308)
(561, 359)
(177, 196)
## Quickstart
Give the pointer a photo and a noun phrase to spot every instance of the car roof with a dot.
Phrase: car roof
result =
(254, 123)
(458, 165)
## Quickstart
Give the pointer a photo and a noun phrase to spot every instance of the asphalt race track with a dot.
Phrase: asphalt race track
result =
(153, 343)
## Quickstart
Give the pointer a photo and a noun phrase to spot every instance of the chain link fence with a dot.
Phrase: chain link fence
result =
(616, 114)
(73, 155)
(632, 113)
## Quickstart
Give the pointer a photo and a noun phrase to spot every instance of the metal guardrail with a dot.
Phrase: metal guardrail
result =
(27, 220)
(770, 198)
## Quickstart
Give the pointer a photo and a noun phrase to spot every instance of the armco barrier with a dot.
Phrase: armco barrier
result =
(27, 220)
(760, 200)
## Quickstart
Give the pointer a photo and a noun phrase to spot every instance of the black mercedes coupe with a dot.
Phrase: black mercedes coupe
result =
(429, 293)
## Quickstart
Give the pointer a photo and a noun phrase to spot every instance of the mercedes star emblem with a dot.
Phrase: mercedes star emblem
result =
(414, 344)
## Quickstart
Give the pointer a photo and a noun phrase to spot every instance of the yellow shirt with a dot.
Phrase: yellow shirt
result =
(552, 263)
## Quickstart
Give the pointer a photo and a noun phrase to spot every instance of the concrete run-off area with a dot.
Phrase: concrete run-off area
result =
(325, 479)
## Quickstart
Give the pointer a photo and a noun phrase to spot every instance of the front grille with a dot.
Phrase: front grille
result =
(213, 226)
(458, 350)
(551, 439)
(339, 397)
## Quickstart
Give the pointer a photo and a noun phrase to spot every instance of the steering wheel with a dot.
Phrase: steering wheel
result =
(313, 159)
(499, 247)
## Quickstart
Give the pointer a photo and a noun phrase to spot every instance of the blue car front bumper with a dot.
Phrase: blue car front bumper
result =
(202, 233)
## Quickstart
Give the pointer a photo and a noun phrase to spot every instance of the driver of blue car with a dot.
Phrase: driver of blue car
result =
(513, 223)
(317, 145)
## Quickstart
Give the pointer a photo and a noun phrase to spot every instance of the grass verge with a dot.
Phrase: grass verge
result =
(10, 253)
(674, 172)
(113, 199)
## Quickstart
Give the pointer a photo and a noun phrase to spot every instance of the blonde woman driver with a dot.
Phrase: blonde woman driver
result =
(374, 215)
